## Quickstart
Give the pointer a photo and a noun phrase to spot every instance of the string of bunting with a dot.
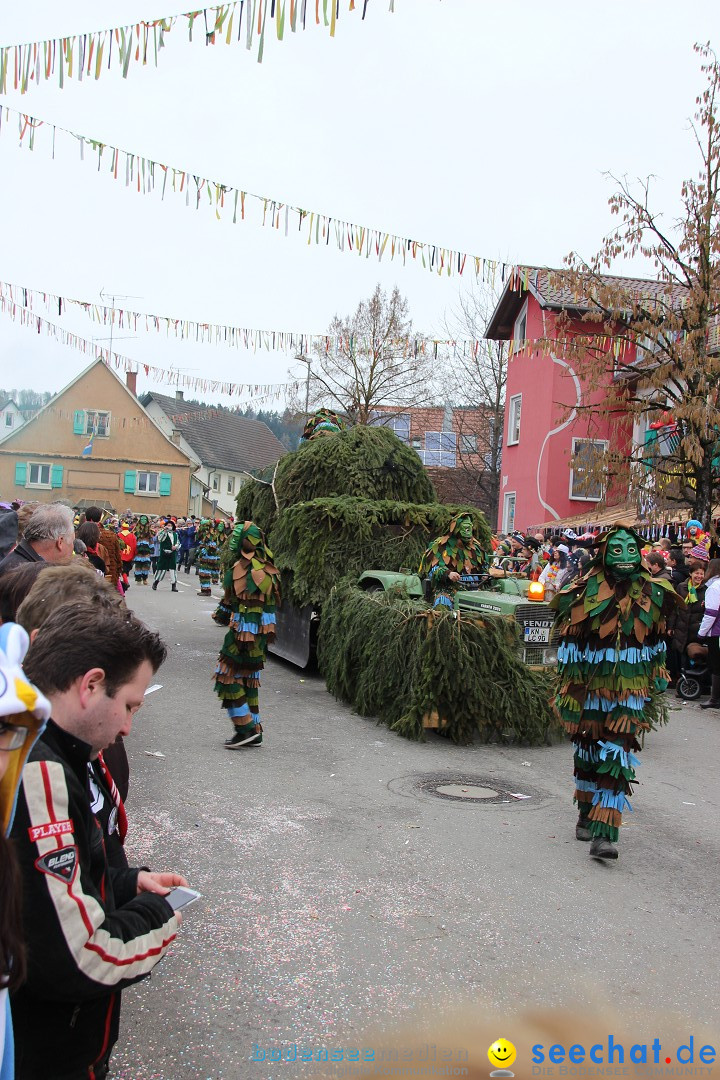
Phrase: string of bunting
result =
(147, 177)
(279, 340)
(26, 317)
(86, 56)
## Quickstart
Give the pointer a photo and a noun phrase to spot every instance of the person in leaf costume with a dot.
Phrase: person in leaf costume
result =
(252, 595)
(453, 562)
(611, 664)
(143, 553)
(207, 555)
(322, 422)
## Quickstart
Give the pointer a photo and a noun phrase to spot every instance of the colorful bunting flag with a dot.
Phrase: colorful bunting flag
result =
(86, 56)
(227, 203)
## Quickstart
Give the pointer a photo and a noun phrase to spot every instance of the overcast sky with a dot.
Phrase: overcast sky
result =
(482, 126)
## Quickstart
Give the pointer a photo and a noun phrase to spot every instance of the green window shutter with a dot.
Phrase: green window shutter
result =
(79, 422)
(56, 476)
(130, 482)
(165, 483)
(20, 473)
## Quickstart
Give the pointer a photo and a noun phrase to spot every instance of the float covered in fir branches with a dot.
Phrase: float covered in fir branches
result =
(346, 502)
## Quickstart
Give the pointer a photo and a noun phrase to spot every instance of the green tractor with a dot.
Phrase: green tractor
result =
(512, 597)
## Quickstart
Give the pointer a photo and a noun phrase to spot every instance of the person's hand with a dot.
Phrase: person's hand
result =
(453, 576)
(158, 883)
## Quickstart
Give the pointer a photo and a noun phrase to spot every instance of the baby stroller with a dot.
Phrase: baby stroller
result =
(694, 673)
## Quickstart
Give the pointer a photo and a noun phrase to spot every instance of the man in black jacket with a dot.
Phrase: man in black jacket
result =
(91, 929)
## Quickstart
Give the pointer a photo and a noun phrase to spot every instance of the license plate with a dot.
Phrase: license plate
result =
(536, 635)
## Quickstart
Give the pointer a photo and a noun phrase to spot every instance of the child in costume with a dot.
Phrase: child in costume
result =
(252, 595)
(143, 550)
(611, 663)
(453, 562)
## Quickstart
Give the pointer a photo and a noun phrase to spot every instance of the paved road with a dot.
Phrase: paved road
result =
(339, 892)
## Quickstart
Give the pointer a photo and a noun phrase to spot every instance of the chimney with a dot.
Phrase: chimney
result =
(131, 379)
(179, 395)
(175, 436)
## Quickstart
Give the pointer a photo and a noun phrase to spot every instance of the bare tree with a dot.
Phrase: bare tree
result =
(662, 375)
(373, 360)
(475, 374)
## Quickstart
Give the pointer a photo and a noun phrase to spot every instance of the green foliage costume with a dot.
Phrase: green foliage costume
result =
(208, 559)
(252, 593)
(323, 422)
(143, 554)
(456, 553)
(611, 663)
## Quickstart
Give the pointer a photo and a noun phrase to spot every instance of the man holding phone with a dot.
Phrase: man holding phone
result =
(91, 929)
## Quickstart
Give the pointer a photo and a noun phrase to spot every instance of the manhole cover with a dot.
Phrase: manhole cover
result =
(474, 790)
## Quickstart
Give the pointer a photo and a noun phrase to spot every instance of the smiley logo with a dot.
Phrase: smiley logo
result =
(502, 1053)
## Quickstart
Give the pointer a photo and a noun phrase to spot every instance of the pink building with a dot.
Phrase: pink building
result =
(547, 430)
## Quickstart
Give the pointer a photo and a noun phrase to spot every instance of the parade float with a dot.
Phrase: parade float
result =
(350, 500)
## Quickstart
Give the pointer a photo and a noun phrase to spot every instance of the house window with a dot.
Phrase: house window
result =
(399, 423)
(513, 437)
(508, 514)
(147, 483)
(97, 423)
(586, 474)
(468, 444)
(216, 482)
(8, 419)
(231, 485)
(440, 449)
(38, 475)
(520, 330)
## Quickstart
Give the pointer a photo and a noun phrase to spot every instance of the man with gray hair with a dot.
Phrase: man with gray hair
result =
(49, 537)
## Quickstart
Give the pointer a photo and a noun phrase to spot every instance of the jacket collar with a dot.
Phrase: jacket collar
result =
(76, 752)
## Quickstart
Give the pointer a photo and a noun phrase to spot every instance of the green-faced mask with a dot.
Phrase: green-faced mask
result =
(622, 554)
(465, 528)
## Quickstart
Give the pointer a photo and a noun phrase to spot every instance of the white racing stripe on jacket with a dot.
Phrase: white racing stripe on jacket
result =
(98, 954)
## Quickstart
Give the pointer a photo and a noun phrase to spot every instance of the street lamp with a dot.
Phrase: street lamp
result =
(306, 360)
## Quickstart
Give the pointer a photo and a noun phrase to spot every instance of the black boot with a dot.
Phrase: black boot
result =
(174, 587)
(602, 848)
(582, 826)
(155, 584)
(713, 701)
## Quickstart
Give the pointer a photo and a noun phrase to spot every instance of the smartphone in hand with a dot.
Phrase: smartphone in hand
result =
(181, 897)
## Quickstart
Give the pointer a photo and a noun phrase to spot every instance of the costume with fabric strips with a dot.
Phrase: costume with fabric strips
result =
(611, 663)
(456, 553)
(252, 594)
(143, 551)
(207, 555)
(323, 422)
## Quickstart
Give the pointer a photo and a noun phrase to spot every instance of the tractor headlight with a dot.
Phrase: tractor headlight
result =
(550, 657)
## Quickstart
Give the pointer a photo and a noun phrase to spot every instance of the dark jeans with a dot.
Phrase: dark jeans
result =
(713, 645)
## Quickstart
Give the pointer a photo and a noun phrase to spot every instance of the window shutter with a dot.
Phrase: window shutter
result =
(165, 483)
(79, 422)
(20, 473)
(56, 476)
(130, 478)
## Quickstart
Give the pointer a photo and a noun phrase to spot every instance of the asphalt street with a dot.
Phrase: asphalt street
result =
(339, 891)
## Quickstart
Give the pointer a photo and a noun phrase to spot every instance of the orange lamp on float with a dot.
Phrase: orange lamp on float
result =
(536, 591)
